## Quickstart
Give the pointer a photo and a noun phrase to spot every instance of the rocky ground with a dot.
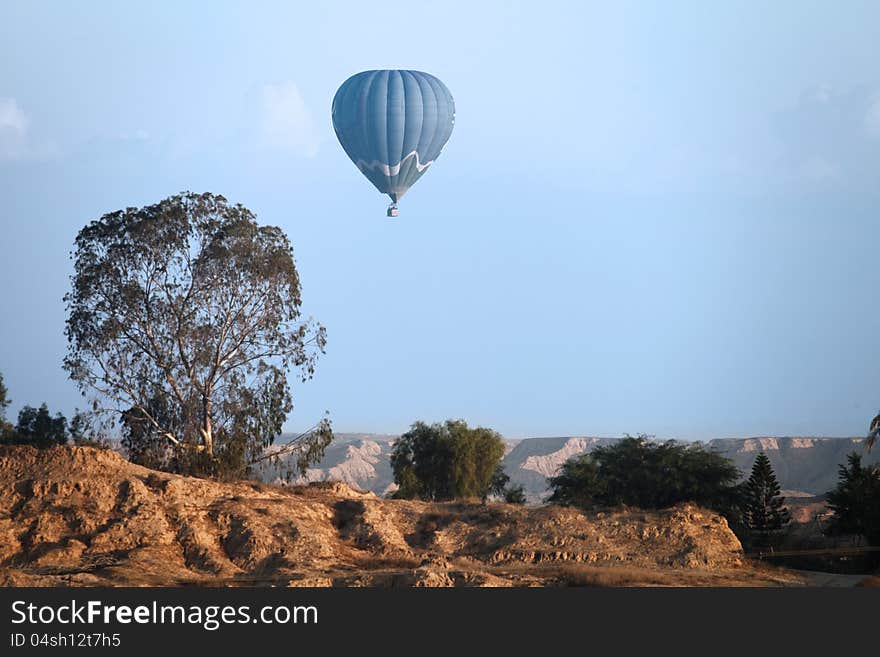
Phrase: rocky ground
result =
(82, 516)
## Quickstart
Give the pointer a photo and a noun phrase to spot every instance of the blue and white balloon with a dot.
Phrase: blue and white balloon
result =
(393, 125)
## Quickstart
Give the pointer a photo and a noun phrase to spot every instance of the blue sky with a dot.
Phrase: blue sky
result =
(649, 218)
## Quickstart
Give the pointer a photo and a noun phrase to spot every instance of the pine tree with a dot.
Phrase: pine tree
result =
(764, 512)
(855, 501)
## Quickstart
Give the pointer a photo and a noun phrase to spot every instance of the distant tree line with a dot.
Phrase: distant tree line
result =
(642, 473)
(38, 427)
(453, 461)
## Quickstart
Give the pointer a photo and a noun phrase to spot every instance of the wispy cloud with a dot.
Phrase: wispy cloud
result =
(286, 123)
(13, 130)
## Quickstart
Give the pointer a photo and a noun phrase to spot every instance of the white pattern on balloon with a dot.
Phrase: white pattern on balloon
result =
(392, 170)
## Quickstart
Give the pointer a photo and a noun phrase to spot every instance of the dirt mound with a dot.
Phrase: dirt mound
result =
(82, 516)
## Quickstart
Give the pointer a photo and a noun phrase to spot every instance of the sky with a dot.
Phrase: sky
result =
(650, 217)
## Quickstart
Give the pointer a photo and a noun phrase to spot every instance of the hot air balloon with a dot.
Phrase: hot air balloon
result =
(393, 125)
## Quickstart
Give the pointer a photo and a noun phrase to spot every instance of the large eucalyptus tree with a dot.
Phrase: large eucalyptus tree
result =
(184, 321)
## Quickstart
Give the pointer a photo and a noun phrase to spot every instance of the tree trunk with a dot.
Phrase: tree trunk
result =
(207, 430)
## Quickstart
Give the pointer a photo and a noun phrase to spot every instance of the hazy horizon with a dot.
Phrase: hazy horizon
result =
(515, 437)
(658, 219)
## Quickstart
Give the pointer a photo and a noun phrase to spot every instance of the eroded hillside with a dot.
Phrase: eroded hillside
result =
(81, 516)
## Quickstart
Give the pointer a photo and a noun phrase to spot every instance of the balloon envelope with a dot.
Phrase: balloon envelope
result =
(393, 125)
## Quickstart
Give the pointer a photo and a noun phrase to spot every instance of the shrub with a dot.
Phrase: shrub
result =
(649, 475)
(446, 461)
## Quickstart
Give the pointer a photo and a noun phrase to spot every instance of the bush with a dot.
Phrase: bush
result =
(446, 461)
(638, 472)
(515, 494)
(578, 483)
(500, 488)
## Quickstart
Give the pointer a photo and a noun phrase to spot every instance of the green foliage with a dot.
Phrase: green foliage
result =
(855, 501)
(85, 431)
(295, 456)
(184, 320)
(144, 442)
(501, 488)
(4, 399)
(764, 513)
(578, 483)
(500, 480)
(515, 494)
(6, 429)
(638, 472)
(446, 461)
(37, 427)
(258, 413)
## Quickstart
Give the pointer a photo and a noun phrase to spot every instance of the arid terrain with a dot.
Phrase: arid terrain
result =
(81, 516)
